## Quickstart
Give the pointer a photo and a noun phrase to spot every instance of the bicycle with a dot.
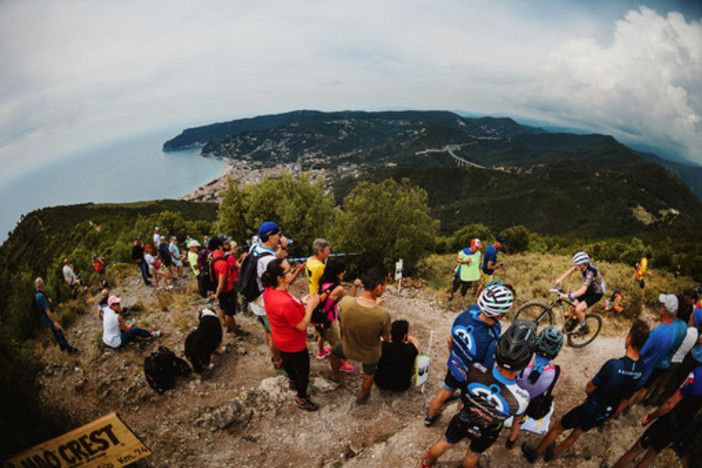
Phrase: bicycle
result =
(542, 314)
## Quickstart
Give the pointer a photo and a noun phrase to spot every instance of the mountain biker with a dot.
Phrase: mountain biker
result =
(589, 293)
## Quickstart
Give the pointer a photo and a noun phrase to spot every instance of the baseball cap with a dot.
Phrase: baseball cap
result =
(193, 243)
(113, 300)
(501, 239)
(476, 243)
(148, 247)
(267, 229)
(670, 302)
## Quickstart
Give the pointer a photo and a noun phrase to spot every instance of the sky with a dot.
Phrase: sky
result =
(77, 73)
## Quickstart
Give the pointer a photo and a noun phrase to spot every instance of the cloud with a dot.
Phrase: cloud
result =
(643, 87)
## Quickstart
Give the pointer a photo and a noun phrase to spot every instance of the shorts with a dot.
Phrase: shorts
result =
(228, 303)
(642, 283)
(663, 431)
(590, 298)
(479, 443)
(450, 382)
(332, 334)
(586, 416)
(368, 368)
(263, 320)
(167, 261)
(485, 278)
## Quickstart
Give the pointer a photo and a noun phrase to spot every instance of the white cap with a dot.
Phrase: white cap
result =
(670, 302)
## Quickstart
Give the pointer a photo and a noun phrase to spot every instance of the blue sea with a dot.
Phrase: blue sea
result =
(124, 171)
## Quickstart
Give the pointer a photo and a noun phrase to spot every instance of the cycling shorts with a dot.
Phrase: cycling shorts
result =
(590, 298)
(481, 440)
(585, 416)
(450, 382)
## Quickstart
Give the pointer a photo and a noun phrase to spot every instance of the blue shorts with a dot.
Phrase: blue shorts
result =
(586, 416)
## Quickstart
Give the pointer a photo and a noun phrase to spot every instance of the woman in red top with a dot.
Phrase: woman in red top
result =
(289, 318)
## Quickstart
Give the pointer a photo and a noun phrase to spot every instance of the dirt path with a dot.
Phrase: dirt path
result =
(241, 413)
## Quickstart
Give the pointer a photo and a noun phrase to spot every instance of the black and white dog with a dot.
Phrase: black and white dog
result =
(202, 342)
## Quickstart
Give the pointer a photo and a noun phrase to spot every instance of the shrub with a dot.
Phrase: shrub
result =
(462, 237)
(517, 239)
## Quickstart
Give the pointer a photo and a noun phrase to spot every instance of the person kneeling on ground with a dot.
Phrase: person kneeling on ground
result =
(489, 397)
(396, 364)
(363, 324)
(289, 318)
(116, 333)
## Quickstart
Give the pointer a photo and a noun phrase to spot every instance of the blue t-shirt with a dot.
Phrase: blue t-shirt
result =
(472, 340)
(616, 380)
(657, 345)
(490, 256)
(42, 303)
(680, 329)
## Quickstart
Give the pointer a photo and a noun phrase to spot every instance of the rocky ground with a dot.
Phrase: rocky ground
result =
(240, 413)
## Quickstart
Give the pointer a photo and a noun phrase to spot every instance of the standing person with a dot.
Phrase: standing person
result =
(164, 254)
(41, 308)
(193, 247)
(315, 264)
(230, 250)
(138, 258)
(364, 324)
(676, 415)
(615, 381)
(70, 278)
(100, 268)
(271, 245)
(467, 272)
(589, 293)
(206, 242)
(490, 261)
(489, 397)
(289, 317)
(473, 339)
(539, 378)
(175, 256)
(225, 292)
(640, 271)
(116, 333)
(155, 268)
(157, 237)
(396, 364)
(331, 292)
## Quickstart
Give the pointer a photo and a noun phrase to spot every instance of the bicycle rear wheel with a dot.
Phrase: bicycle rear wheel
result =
(594, 326)
(535, 311)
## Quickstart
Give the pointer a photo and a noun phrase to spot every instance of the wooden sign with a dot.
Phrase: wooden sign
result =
(106, 442)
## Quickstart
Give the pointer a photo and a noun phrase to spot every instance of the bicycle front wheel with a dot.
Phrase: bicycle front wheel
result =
(535, 311)
(580, 338)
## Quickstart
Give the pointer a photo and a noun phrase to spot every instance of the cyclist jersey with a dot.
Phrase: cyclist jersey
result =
(592, 280)
(680, 330)
(616, 380)
(488, 399)
(472, 340)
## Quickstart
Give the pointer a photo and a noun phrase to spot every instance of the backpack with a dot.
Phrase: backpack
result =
(320, 315)
(162, 367)
(541, 405)
(248, 274)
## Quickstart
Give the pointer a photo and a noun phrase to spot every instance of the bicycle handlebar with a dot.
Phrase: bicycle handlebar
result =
(555, 289)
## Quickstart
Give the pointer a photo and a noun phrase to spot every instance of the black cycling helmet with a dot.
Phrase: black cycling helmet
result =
(217, 241)
(515, 348)
(549, 342)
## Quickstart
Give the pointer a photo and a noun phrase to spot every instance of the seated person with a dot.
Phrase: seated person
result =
(615, 302)
(116, 333)
(396, 364)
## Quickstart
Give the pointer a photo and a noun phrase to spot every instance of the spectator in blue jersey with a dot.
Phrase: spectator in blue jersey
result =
(473, 339)
(41, 307)
(487, 269)
(676, 416)
(615, 381)
(467, 271)
(657, 346)
(489, 397)
(539, 378)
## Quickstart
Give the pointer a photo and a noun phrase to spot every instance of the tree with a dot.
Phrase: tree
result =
(301, 209)
(385, 222)
(463, 236)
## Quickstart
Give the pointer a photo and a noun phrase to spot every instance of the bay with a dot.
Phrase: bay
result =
(123, 171)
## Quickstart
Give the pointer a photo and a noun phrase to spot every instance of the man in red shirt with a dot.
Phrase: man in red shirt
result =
(225, 292)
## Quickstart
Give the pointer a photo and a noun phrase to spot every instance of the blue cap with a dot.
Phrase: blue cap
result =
(267, 229)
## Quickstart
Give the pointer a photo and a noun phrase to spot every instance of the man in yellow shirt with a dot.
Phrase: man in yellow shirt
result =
(640, 271)
(315, 264)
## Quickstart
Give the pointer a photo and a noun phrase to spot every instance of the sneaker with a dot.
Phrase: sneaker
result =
(529, 452)
(156, 334)
(509, 444)
(306, 404)
(346, 367)
(324, 353)
(364, 400)
(429, 421)
(277, 365)
(548, 454)
(583, 329)
(422, 464)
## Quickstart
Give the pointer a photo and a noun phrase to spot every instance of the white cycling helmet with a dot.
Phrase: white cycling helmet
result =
(581, 258)
(496, 299)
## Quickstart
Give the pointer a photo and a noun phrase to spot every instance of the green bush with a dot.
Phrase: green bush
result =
(463, 236)
(517, 239)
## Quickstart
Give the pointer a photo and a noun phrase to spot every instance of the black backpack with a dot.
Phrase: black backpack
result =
(247, 284)
(162, 367)
(541, 405)
(320, 317)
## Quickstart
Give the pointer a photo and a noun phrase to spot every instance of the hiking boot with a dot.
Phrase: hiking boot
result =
(429, 421)
(548, 454)
(306, 404)
(529, 452)
(324, 353)
(346, 367)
